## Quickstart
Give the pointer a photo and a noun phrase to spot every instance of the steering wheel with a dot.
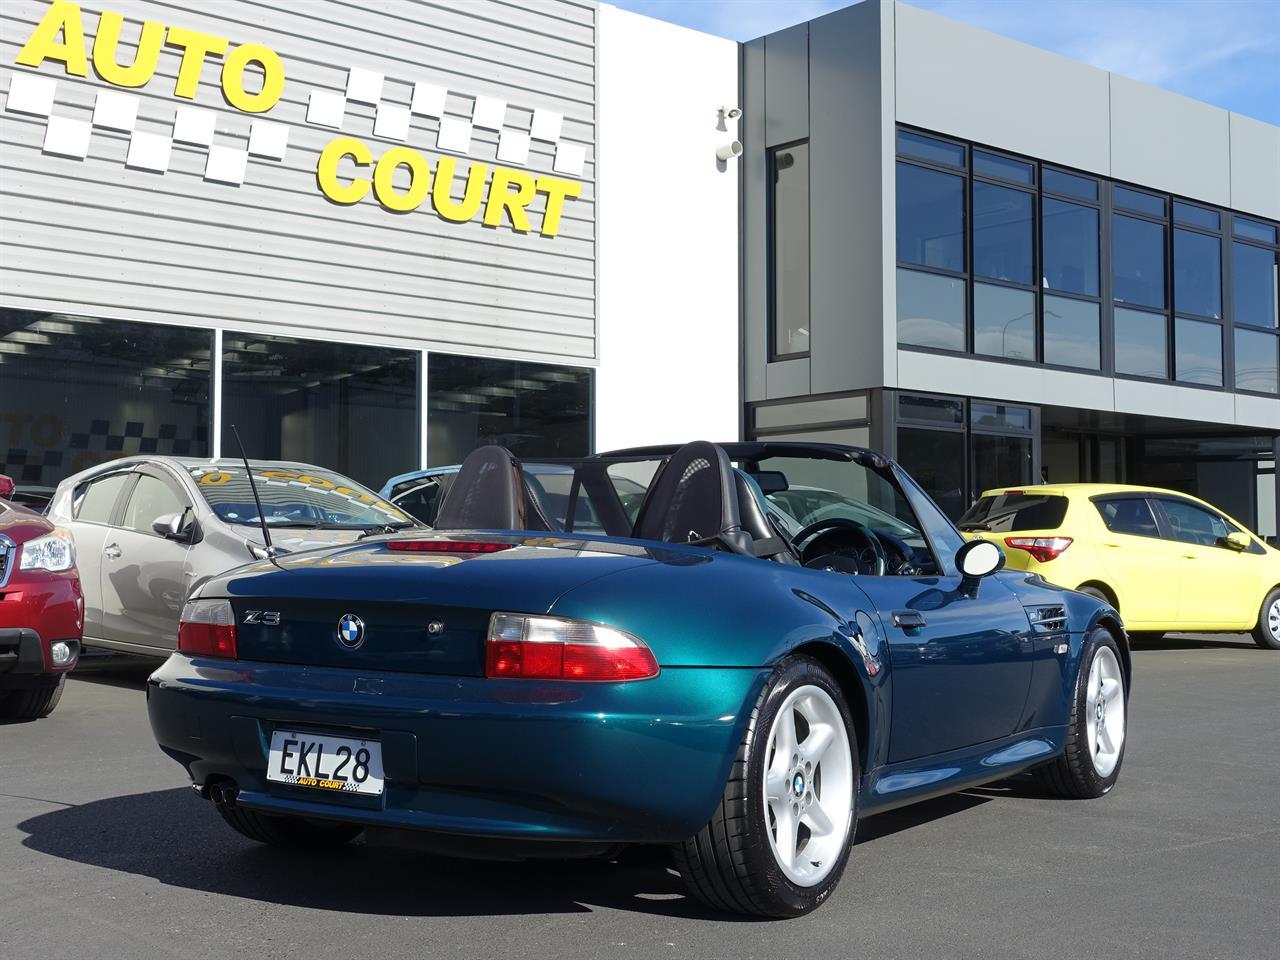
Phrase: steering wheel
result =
(835, 550)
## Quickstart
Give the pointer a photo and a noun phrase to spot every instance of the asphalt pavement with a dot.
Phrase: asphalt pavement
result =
(105, 852)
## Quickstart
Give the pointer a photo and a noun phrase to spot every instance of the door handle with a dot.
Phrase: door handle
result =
(908, 619)
(112, 551)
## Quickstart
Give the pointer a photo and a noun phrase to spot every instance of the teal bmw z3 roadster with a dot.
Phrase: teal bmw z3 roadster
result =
(693, 666)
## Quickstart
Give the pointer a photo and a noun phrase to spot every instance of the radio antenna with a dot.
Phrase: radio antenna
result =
(262, 517)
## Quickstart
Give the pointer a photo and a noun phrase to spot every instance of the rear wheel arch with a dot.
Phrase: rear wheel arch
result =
(1116, 629)
(851, 686)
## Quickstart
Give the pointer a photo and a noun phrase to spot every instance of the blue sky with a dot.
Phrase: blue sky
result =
(1225, 52)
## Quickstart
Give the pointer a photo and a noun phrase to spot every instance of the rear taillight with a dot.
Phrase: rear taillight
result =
(1043, 549)
(208, 629)
(554, 648)
(447, 546)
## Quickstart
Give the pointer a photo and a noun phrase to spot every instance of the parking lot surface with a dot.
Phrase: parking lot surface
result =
(106, 852)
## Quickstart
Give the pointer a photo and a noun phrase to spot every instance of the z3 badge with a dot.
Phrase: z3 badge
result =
(268, 618)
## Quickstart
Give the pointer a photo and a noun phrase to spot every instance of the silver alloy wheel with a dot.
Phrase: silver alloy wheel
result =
(1105, 711)
(1273, 620)
(808, 785)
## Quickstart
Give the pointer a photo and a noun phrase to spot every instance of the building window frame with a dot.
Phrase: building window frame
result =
(771, 247)
(1179, 214)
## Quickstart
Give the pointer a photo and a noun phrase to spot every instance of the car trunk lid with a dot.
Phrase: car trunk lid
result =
(373, 606)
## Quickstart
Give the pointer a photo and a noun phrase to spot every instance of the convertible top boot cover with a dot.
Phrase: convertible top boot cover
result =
(694, 498)
(490, 493)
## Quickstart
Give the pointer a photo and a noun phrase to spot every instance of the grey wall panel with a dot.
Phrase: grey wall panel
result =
(786, 82)
(1255, 166)
(754, 230)
(846, 159)
(960, 80)
(787, 378)
(1170, 142)
(273, 254)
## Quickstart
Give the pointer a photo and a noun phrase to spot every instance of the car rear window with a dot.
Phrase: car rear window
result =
(1010, 512)
(1128, 515)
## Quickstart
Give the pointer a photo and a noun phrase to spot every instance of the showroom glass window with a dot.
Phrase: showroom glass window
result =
(931, 192)
(533, 409)
(789, 250)
(1255, 303)
(350, 408)
(76, 391)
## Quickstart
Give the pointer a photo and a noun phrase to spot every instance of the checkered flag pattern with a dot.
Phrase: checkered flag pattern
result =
(328, 108)
(102, 441)
(112, 110)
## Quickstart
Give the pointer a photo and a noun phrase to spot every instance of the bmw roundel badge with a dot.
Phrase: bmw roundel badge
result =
(350, 631)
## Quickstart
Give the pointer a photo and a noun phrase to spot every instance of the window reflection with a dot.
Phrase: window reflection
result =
(1138, 257)
(76, 391)
(1198, 352)
(1071, 333)
(930, 218)
(789, 249)
(351, 408)
(1004, 322)
(1140, 344)
(1197, 274)
(534, 409)
(1257, 361)
(930, 310)
(1070, 247)
(1002, 236)
(1254, 282)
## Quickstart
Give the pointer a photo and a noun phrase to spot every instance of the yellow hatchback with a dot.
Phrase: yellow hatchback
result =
(1165, 560)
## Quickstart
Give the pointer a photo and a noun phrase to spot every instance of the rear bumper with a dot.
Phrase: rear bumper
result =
(634, 762)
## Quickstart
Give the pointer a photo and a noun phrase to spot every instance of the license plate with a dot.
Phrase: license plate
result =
(323, 761)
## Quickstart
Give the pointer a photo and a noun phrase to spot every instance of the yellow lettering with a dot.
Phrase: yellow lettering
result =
(556, 190)
(441, 192)
(106, 44)
(278, 474)
(327, 170)
(316, 481)
(61, 18)
(419, 179)
(513, 203)
(195, 47)
(233, 78)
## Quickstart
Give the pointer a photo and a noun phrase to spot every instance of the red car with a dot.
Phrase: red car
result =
(41, 611)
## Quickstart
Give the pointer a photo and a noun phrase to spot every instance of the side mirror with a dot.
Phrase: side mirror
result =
(978, 559)
(1237, 541)
(6, 486)
(170, 526)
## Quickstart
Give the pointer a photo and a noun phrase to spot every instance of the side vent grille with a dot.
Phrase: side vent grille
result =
(1051, 618)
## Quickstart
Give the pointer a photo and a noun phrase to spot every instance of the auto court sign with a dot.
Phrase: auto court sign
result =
(348, 170)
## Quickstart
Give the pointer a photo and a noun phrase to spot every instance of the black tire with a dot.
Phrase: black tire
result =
(1262, 633)
(295, 832)
(1096, 593)
(1073, 773)
(729, 864)
(31, 704)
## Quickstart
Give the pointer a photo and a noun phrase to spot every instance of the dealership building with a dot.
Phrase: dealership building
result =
(374, 238)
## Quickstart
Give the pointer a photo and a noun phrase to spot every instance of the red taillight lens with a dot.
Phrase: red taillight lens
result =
(554, 648)
(447, 546)
(1043, 549)
(208, 629)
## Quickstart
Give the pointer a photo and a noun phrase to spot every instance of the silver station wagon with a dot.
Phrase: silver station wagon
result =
(147, 529)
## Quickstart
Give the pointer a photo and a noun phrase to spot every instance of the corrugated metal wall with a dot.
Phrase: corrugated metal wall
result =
(273, 254)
